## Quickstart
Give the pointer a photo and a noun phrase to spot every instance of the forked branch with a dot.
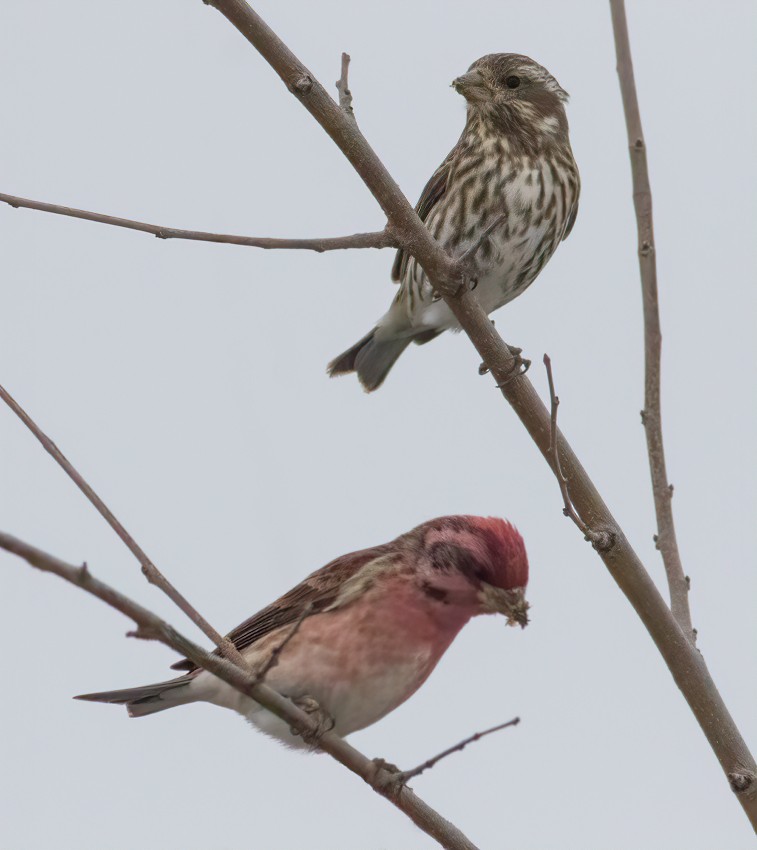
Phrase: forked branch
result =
(598, 539)
(672, 640)
(148, 624)
(471, 252)
(273, 658)
(150, 571)
(685, 663)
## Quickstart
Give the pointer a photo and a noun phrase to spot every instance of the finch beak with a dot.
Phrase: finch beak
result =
(472, 87)
(511, 603)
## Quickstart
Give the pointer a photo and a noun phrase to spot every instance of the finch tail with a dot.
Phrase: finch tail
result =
(371, 358)
(148, 699)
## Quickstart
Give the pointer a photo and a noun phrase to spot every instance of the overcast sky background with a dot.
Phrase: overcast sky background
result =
(187, 382)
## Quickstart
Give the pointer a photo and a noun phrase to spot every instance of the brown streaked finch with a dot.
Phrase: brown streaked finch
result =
(377, 622)
(505, 197)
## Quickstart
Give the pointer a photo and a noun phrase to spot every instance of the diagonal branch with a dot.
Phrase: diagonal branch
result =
(471, 252)
(273, 658)
(377, 239)
(686, 665)
(674, 643)
(148, 624)
(150, 571)
(651, 416)
(598, 539)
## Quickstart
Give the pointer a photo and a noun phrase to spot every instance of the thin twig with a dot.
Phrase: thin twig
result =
(342, 86)
(651, 416)
(406, 800)
(150, 571)
(407, 775)
(377, 239)
(598, 539)
(473, 249)
(273, 658)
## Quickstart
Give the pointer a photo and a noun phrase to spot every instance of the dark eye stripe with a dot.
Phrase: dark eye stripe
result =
(434, 592)
(447, 557)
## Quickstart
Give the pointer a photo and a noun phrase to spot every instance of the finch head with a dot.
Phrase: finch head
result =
(486, 554)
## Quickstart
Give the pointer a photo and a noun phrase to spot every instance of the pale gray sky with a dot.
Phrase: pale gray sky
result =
(187, 382)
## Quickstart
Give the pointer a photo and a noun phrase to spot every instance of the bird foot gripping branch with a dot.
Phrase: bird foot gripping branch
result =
(462, 279)
(488, 205)
(449, 569)
(385, 777)
(520, 366)
(324, 722)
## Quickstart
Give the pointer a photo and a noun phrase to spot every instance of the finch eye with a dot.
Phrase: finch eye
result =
(512, 82)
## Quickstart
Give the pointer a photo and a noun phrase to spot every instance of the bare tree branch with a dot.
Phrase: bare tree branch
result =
(674, 642)
(651, 416)
(471, 252)
(426, 818)
(601, 539)
(377, 239)
(150, 571)
(234, 670)
(683, 660)
(273, 658)
(407, 775)
(342, 86)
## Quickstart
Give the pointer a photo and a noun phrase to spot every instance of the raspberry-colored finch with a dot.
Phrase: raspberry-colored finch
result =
(507, 192)
(377, 623)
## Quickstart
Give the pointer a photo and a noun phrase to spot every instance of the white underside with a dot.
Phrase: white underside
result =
(512, 252)
(353, 707)
(495, 287)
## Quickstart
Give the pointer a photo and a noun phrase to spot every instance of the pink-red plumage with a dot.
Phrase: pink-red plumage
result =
(492, 544)
(377, 623)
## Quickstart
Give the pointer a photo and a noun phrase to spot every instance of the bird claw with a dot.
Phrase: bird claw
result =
(456, 287)
(453, 290)
(519, 368)
(385, 777)
(325, 722)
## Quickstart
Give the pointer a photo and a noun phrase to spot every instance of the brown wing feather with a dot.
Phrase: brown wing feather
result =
(319, 590)
(432, 193)
(571, 221)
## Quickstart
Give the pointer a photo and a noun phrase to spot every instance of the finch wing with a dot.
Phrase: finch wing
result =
(571, 221)
(432, 193)
(319, 590)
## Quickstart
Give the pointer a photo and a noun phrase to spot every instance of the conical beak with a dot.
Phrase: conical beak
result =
(472, 87)
(511, 603)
